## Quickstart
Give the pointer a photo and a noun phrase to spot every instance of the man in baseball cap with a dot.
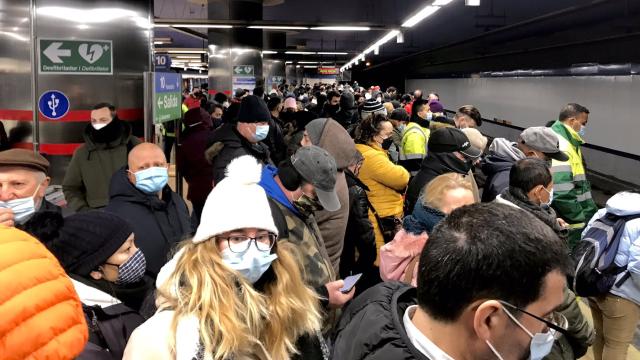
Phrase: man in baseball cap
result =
(448, 150)
(534, 142)
(318, 168)
(23, 182)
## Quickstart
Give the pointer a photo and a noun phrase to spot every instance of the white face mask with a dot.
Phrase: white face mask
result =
(98, 126)
(22, 208)
(225, 104)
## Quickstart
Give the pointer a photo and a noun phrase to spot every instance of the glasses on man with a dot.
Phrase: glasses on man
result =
(554, 320)
(241, 243)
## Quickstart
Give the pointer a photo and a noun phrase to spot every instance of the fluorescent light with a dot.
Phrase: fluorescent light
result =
(269, 27)
(421, 15)
(441, 2)
(209, 26)
(342, 28)
(186, 51)
(332, 53)
(288, 62)
(85, 27)
(161, 25)
(472, 2)
(266, 52)
(300, 52)
(310, 67)
(307, 62)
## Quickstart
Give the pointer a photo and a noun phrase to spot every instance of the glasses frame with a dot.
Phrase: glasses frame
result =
(249, 238)
(550, 324)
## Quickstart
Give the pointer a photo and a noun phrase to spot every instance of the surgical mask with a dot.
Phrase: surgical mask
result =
(132, 270)
(151, 180)
(582, 131)
(251, 264)
(550, 197)
(314, 101)
(98, 126)
(307, 204)
(541, 343)
(429, 116)
(261, 132)
(22, 208)
(226, 104)
(401, 128)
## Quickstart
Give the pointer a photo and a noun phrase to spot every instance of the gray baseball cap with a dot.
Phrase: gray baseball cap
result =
(545, 140)
(318, 167)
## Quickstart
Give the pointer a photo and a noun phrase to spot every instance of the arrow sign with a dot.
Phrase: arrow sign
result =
(53, 52)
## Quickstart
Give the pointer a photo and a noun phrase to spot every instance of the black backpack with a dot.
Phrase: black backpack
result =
(596, 271)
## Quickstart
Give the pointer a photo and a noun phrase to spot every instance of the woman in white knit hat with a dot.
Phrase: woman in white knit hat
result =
(232, 292)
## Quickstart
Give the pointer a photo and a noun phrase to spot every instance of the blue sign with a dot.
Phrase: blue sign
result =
(162, 61)
(53, 104)
(167, 82)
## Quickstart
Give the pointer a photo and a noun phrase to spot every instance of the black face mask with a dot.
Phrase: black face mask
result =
(331, 109)
(386, 143)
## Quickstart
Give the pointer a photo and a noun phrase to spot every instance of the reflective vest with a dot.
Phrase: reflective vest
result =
(571, 190)
(414, 142)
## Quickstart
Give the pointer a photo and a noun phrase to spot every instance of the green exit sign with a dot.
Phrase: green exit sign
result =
(81, 57)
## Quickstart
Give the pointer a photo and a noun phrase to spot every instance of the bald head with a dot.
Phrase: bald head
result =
(144, 156)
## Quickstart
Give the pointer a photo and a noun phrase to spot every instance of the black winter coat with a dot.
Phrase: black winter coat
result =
(44, 223)
(359, 237)
(433, 165)
(158, 224)
(226, 144)
(497, 169)
(371, 327)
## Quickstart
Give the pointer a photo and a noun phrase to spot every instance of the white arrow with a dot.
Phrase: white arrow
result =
(53, 52)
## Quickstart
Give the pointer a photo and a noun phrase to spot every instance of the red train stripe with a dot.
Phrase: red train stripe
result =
(72, 116)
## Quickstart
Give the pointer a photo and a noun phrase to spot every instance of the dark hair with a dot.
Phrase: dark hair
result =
(258, 91)
(273, 102)
(472, 112)
(392, 89)
(220, 97)
(487, 251)
(417, 106)
(369, 128)
(528, 173)
(406, 98)
(110, 106)
(331, 94)
(434, 93)
(572, 110)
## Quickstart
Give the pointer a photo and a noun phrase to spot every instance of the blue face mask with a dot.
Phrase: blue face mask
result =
(251, 264)
(261, 132)
(151, 180)
(401, 128)
(582, 131)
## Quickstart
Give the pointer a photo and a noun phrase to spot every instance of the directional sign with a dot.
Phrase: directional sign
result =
(53, 104)
(167, 97)
(243, 70)
(162, 61)
(82, 57)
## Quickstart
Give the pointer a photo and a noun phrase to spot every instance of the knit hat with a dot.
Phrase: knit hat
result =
(373, 106)
(436, 107)
(253, 110)
(88, 239)
(236, 202)
(24, 158)
(290, 103)
(476, 138)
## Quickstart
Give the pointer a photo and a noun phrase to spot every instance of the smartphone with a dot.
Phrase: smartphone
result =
(350, 282)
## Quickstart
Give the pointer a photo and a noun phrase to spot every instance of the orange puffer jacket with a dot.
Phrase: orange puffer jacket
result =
(40, 314)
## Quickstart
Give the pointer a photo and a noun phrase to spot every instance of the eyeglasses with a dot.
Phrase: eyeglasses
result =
(555, 320)
(241, 243)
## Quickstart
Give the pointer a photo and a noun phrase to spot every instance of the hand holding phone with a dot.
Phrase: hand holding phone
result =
(349, 283)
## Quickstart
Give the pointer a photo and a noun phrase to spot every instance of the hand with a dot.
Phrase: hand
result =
(336, 298)
(562, 223)
(6, 217)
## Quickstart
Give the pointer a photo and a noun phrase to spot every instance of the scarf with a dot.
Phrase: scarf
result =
(423, 219)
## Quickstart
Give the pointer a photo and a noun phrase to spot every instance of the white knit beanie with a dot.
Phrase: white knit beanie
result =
(236, 202)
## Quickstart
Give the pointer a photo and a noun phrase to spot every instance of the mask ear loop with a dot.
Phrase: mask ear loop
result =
(494, 350)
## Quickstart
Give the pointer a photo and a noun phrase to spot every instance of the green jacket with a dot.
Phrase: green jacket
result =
(580, 333)
(86, 182)
(572, 192)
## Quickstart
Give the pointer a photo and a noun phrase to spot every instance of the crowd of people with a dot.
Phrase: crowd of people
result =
(463, 247)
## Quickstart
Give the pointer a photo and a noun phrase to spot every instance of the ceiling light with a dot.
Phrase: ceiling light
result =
(297, 66)
(472, 2)
(421, 15)
(310, 67)
(288, 62)
(307, 62)
(267, 52)
(269, 27)
(161, 25)
(368, 63)
(441, 2)
(342, 28)
(186, 51)
(332, 53)
(84, 27)
(209, 26)
(300, 52)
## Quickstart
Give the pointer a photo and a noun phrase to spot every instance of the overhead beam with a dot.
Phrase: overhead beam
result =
(242, 23)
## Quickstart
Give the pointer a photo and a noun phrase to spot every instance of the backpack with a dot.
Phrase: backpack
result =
(594, 255)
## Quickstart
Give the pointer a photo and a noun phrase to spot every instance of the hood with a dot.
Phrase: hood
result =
(347, 101)
(493, 164)
(273, 190)
(198, 117)
(91, 296)
(122, 189)
(624, 203)
(337, 142)
(506, 149)
(441, 163)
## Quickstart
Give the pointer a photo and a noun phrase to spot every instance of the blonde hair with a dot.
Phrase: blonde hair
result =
(235, 320)
(436, 189)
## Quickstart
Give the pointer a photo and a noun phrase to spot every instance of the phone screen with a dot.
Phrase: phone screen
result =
(349, 283)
